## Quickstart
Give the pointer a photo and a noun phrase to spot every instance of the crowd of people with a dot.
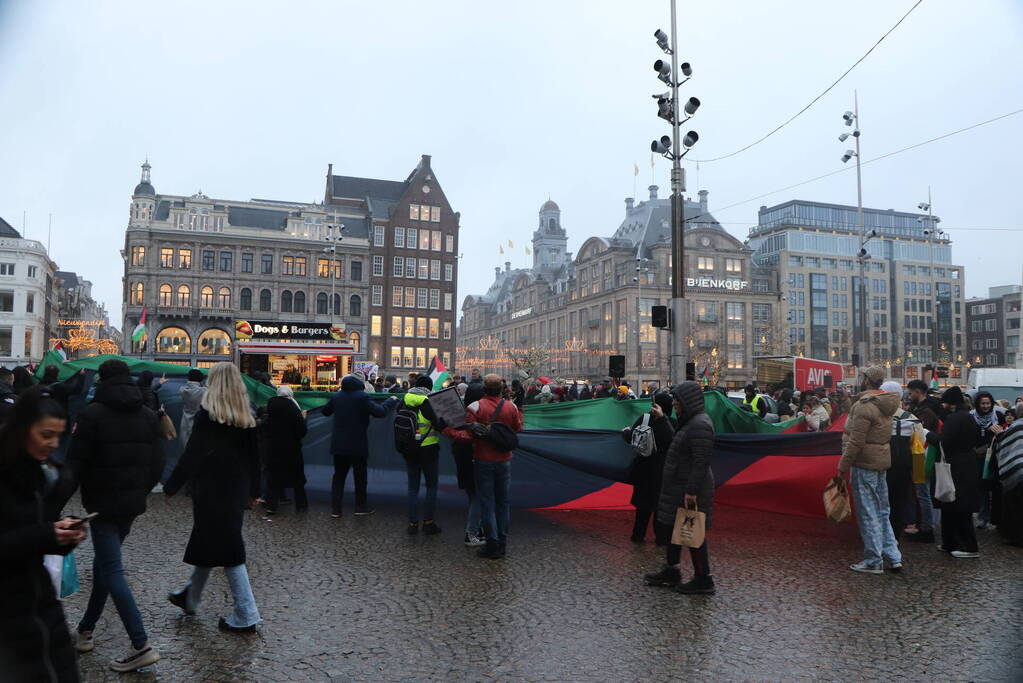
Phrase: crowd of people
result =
(237, 455)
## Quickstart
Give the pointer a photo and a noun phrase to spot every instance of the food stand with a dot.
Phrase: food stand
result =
(299, 354)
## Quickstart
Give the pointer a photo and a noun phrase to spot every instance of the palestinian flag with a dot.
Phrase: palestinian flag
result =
(59, 348)
(438, 373)
(705, 375)
(139, 332)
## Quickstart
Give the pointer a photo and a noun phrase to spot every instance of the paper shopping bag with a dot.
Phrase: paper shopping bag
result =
(690, 527)
(836, 500)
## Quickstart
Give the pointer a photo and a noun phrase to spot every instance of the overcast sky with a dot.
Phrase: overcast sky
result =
(516, 102)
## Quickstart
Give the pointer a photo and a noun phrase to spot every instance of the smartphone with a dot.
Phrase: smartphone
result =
(79, 522)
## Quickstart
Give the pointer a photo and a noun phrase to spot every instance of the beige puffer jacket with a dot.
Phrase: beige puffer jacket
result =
(868, 431)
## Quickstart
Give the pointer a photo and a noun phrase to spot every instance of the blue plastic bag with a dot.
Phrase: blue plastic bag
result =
(69, 576)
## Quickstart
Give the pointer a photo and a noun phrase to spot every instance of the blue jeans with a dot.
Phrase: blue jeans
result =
(475, 520)
(923, 497)
(245, 611)
(870, 491)
(423, 465)
(108, 533)
(492, 479)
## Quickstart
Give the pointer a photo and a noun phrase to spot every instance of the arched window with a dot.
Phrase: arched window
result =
(299, 302)
(355, 306)
(264, 300)
(206, 297)
(551, 223)
(246, 299)
(224, 298)
(355, 339)
(166, 295)
(173, 340)
(337, 304)
(184, 296)
(286, 301)
(137, 293)
(322, 303)
(214, 342)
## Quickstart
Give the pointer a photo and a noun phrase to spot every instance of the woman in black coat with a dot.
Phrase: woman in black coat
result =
(645, 472)
(687, 480)
(35, 644)
(959, 439)
(222, 465)
(285, 428)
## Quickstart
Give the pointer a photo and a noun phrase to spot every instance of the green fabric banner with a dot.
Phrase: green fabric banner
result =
(600, 413)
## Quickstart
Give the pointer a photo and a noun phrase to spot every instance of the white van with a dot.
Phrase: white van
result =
(1003, 383)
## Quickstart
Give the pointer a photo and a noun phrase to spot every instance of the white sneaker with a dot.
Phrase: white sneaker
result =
(135, 659)
(866, 568)
(157, 489)
(963, 555)
(473, 541)
(84, 641)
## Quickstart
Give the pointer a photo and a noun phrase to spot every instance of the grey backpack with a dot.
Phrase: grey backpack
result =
(643, 438)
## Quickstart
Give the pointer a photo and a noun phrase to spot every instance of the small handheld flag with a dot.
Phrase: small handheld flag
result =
(59, 348)
(438, 373)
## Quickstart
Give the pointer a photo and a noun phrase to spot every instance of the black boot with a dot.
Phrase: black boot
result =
(491, 551)
(668, 576)
(700, 585)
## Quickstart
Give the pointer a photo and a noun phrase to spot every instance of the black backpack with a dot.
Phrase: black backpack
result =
(406, 429)
(499, 435)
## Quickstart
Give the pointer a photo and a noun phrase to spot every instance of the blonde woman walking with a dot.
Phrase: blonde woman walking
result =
(222, 463)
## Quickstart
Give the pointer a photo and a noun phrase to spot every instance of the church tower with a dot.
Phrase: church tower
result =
(550, 243)
(143, 199)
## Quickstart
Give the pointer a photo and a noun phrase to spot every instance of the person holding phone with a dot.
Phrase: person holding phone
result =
(35, 643)
(646, 470)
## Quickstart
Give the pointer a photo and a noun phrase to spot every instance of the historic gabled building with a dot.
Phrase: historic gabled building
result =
(578, 312)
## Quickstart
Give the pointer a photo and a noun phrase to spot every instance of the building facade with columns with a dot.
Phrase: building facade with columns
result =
(566, 315)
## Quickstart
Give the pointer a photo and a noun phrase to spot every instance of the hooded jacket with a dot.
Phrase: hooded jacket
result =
(868, 432)
(352, 407)
(191, 402)
(115, 452)
(416, 400)
(687, 464)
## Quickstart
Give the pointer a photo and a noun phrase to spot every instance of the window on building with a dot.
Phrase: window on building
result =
(27, 349)
(378, 266)
(337, 304)
(378, 235)
(435, 269)
(376, 295)
(421, 297)
(434, 299)
(166, 257)
(991, 343)
(245, 299)
(413, 212)
(424, 239)
(706, 311)
(449, 243)
(410, 297)
(375, 325)
(173, 340)
(207, 259)
(6, 341)
(224, 298)
(762, 313)
(396, 326)
(733, 311)
(447, 301)
(214, 342)
(7, 301)
(355, 306)
(287, 265)
(420, 357)
(32, 270)
(266, 264)
(409, 326)
(409, 269)
(424, 269)
(435, 214)
(434, 326)
(226, 261)
(990, 325)
(265, 299)
(408, 356)
(206, 297)
(184, 295)
(356, 270)
(733, 266)
(447, 330)
(1012, 341)
(138, 256)
(449, 272)
(137, 295)
(355, 339)
(399, 238)
(421, 328)
(704, 263)
(287, 301)
(435, 240)
(411, 238)
(322, 304)
(992, 359)
(396, 296)
(247, 262)
(396, 356)
(299, 303)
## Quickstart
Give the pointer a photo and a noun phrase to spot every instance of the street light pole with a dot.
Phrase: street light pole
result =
(674, 148)
(851, 118)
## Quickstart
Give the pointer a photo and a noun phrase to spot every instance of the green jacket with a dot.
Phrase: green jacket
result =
(429, 434)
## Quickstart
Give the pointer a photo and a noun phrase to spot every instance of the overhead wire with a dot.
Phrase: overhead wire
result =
(822, 94)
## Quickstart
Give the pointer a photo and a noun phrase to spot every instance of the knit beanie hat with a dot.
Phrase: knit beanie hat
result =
(953, 396)
(874, 374)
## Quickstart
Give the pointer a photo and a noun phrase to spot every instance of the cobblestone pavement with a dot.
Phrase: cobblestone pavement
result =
(358, 599)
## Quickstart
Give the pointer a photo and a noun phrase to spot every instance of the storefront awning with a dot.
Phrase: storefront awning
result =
(296, 348)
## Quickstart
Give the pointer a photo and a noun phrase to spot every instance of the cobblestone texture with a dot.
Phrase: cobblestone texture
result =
(358, 599)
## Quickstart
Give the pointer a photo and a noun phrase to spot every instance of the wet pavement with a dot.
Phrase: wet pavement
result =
(358, 599)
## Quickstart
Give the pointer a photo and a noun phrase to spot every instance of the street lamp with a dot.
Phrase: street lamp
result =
(933, 233)
(642, 272)
(333, 238)
(675, 112)
(852, 118)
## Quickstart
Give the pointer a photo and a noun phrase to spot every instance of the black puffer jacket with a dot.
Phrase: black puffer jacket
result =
(687, 466)
(115, 450)
(35, 644)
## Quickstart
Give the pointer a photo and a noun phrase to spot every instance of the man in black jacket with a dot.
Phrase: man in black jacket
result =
(7, 395)
(116, 457)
